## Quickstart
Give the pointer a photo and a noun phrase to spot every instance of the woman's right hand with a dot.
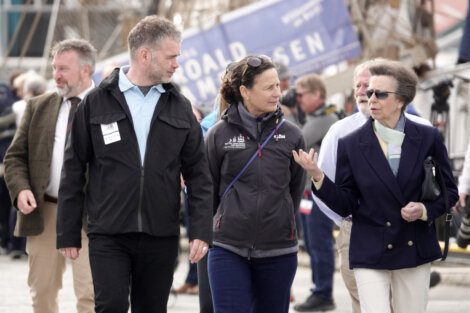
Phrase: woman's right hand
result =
(309, 162)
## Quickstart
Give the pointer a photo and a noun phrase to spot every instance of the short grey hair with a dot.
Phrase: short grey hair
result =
(35, 85)
(366, 65)
(84, 49)
(151, 30)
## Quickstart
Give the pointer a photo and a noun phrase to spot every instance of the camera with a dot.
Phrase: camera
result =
(289, 98)
(463, 234)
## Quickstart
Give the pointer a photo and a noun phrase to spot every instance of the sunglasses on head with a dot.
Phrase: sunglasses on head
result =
(379, 94)
(255, 61)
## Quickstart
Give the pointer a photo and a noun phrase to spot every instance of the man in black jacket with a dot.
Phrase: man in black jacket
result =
(136, 134)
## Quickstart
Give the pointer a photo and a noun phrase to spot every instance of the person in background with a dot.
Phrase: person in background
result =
(7, 131)
(327, 162)
(33, 165)
(379, 176)
(33, 85)
(288, 100)
(317, 227)
(134, 136)
(254, 256)
(284, 76)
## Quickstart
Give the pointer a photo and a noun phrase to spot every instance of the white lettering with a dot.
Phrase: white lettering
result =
(314, 43)
(206, 87)
(297, 51)
(193, 69)
(279, 55)
(208, 64)
(219, 55)
(237, 50)
(303, 13)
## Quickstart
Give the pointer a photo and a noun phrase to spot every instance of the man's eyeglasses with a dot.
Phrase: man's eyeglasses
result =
(379, 94)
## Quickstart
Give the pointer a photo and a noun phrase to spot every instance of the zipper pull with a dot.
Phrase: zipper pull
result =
(259, 150)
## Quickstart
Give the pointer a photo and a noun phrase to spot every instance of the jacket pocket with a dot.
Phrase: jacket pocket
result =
(175, 122)
(110, 133)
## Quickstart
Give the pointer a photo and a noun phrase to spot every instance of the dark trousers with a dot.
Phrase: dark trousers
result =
(258, 285)
(5, 205)
(191, 278)
(318, 237)
(135, 263)
(205, 296)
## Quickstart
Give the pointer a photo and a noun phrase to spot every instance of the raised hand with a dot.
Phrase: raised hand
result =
(309, 162)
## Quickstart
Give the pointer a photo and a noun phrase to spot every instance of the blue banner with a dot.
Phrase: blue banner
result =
(306, 35)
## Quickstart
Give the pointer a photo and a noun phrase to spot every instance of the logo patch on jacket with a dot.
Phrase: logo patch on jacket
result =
(235, 143)
(279, 136)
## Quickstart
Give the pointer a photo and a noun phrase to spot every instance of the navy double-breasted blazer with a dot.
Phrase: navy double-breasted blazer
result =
(366, 188)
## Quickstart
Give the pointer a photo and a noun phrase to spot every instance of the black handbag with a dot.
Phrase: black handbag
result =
(433, 186)
(430, 189)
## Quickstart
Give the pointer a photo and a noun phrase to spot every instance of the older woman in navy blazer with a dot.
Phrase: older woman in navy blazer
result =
(378, 180)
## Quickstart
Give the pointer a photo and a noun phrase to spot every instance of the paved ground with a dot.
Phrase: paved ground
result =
(451, 296)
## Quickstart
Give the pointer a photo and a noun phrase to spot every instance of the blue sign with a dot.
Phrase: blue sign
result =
(306, 35)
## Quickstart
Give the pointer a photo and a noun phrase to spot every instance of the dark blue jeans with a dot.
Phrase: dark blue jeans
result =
(205, 296)
(318, 237)
(134, 263)
(258, 285)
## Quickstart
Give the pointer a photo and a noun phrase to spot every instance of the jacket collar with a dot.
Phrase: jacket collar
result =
(112, 82)
(372, 152)
(232, 116)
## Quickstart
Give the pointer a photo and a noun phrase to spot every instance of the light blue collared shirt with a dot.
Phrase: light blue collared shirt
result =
(141, 107)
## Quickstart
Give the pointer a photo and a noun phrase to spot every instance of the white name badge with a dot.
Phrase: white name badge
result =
(110, 133)
(306, 206)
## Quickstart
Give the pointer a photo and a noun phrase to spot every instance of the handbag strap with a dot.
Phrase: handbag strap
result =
(448, 214)
(257, 153)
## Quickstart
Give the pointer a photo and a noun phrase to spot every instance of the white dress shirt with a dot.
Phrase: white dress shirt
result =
(52, 188)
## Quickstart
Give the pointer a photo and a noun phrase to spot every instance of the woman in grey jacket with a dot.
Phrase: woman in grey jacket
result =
(254, 256)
